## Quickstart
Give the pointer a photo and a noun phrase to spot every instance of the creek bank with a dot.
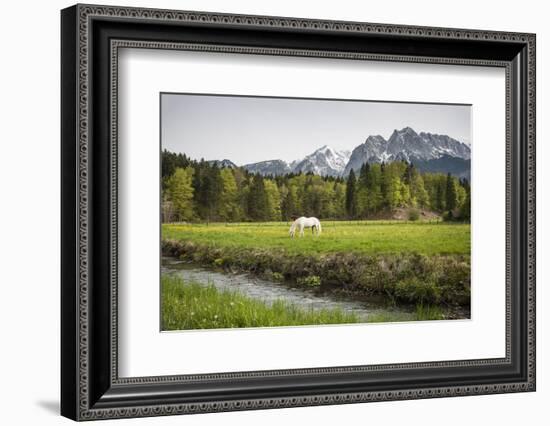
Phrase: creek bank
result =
(257, 288)
(399, 278)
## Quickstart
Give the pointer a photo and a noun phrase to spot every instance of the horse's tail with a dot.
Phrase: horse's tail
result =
(319, 227)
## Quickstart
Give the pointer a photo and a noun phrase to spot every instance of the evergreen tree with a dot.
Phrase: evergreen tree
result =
(273, 200)
(465, 208)
(364, 176)
(170, 161)
(317, 198)
(363, 191)
(375, 198)
(327, 199)
(439, 196)
(298, 183)
(408, 175)
(450, 196)
(351, 195)
(418, 191)
(460, 195)
(339, 199)
(289, 204)
(394, 195)
(384, 184)
(405, 194)
(199, 197)
(211, 192)
(179, 190)
(257, 199)
(229, 209)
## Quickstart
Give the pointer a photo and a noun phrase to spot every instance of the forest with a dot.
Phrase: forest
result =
(202, 191)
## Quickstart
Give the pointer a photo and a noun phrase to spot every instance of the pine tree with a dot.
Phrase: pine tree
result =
(339, 199)
(450, 194)
(465, 208)
(384, 184)
(418, 191)
(408, 175)
(199, 195)
(257, 199)
(229, 209)
(212, 188)
(363, 191)
(439, 195)
(394, 194)
(374, 200)
(179, 190)
(351, 195)
(289, 204)
(273, 200)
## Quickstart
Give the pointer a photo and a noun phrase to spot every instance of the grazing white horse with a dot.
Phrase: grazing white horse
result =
(305, 222)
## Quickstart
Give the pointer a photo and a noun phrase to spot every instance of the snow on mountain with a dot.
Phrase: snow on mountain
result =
(406, 144)
(225, 163)
(446, 145)
(324, 161)
(429, 151)
(372, 151)
(270, 167)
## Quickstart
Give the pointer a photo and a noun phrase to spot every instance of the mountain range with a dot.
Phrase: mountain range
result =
(429, 152)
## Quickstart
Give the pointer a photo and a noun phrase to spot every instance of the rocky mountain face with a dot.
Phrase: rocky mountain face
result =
(429, 152)
(225, 163)
(271, 167)
(324, 161)
(372, 151)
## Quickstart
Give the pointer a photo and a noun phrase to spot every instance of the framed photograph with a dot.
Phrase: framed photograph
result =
(263, 212)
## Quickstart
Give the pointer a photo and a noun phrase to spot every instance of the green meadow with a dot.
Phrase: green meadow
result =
(421, 267)
(365, 237)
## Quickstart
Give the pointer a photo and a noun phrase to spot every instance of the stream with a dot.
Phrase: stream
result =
(269, 291)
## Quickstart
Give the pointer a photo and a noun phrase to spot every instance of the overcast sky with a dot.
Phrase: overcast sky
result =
(248, 129)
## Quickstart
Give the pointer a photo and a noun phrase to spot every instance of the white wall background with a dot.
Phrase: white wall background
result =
(29, 217)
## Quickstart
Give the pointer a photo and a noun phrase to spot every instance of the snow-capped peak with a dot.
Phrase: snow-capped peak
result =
(406, 144)
(323, 161)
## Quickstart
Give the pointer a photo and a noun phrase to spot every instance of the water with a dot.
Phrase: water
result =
(269, 291)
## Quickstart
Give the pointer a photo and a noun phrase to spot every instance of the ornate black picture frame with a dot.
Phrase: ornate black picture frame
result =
(91, 37)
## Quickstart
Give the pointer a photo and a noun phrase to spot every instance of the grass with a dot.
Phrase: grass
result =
(428, 312)
(190, 306)
(402, 278)
(408, 263)
(366, 237)
(421, 313)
